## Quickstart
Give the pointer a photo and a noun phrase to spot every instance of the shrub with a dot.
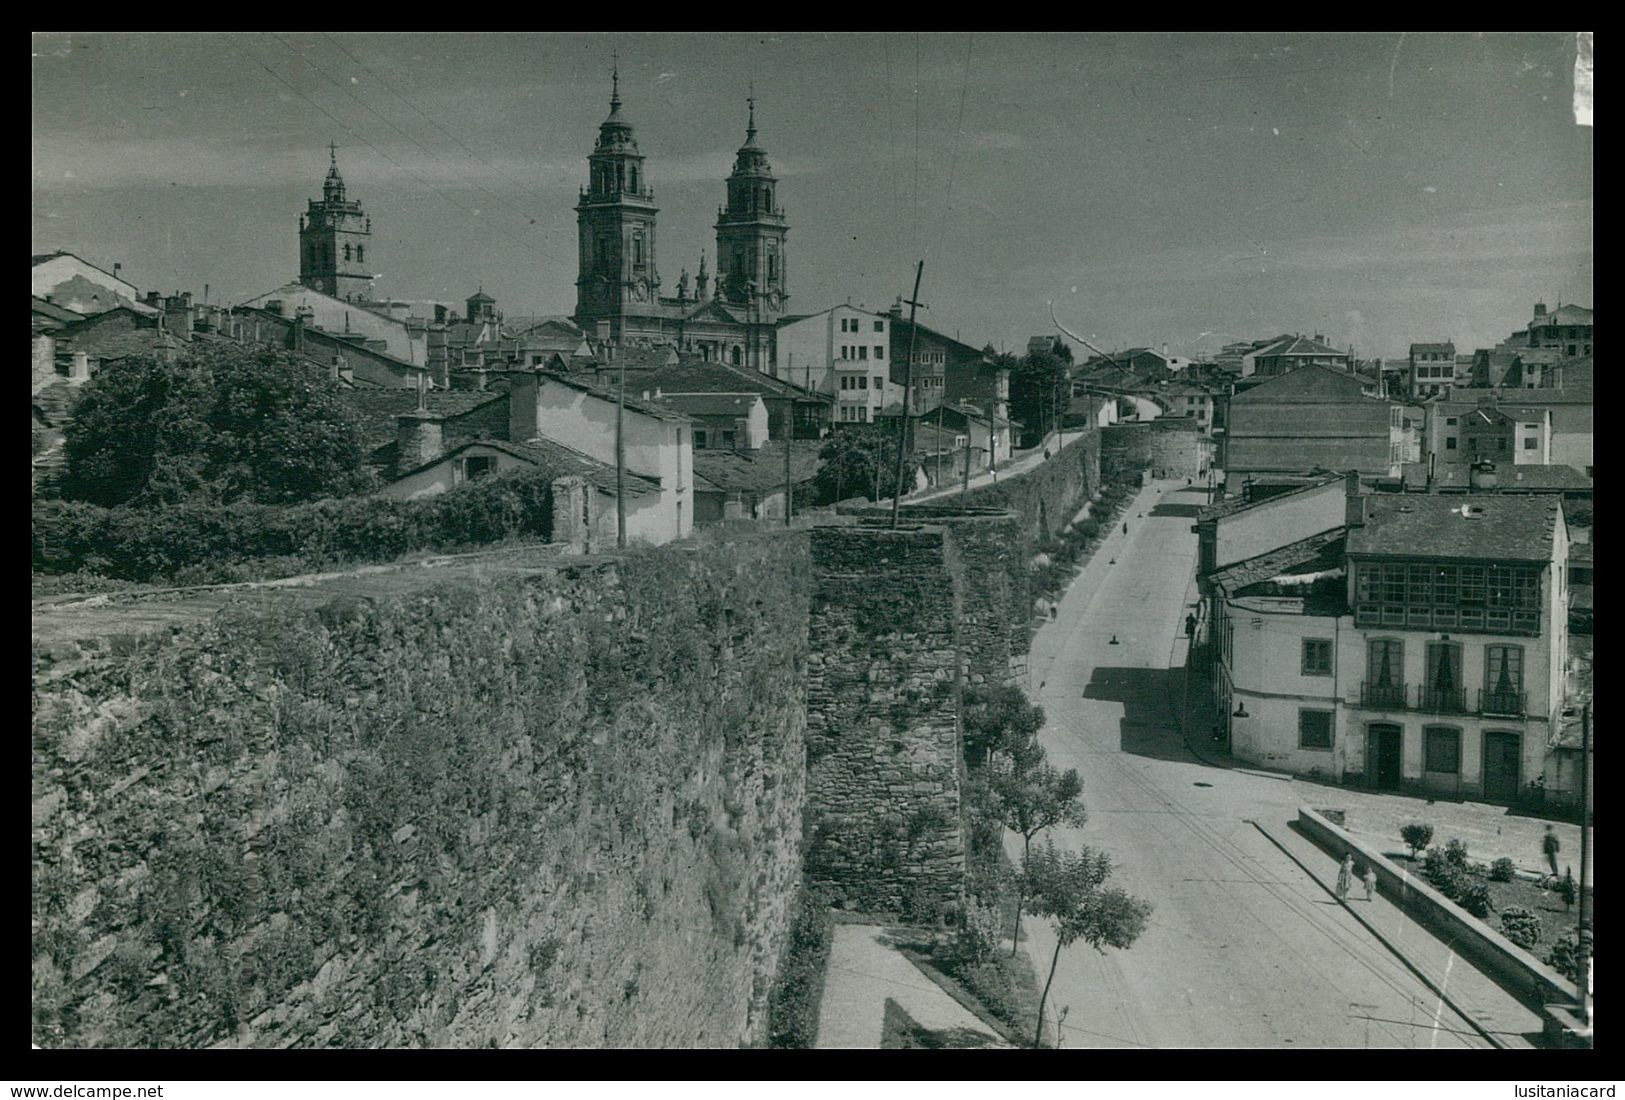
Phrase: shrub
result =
(1520, 925)
(1416, 836)
(1455, 851)
(1473, 896)
(1564, 956)
(1568, 890)
(1503, 870)
(202, 542)
(1435, 867)
(793, 1004)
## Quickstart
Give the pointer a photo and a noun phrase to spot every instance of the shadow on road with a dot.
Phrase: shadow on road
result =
(1150, 698)
(1187, 510)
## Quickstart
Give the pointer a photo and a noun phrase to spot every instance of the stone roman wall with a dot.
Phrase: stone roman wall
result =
(560, 810)
(883, 738)
(1175, 446)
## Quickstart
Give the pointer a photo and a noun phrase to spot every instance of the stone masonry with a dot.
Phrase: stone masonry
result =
(883, 736)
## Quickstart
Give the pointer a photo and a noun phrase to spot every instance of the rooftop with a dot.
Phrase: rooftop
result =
(1299, 345)
(1497, 527)
(559, 460)
(1526, 478)
(1318, 553)
(652, 408)
(712, 404)
(379, 408)
(755, 471)
(1242, 504)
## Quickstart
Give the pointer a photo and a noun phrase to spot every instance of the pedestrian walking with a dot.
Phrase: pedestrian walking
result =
(1345, 877)
(1370, 880)
(1550, 845)
(1125, 531)
(1190, 626)
(1054, 610)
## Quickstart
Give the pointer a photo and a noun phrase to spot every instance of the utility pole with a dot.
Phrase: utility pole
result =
(789, 439)
(620, 453)
(908, 391)
(1582, 983)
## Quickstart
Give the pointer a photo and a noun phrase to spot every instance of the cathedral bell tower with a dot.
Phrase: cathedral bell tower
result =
(751, 229)
(334, 237)
(616, 273)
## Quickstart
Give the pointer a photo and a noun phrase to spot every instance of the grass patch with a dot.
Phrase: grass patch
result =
(792, 1022)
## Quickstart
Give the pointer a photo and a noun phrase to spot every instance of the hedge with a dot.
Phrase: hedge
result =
(144, 544)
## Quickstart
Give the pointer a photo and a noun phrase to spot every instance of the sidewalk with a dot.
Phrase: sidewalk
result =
(869, 987)
(1509, 1022)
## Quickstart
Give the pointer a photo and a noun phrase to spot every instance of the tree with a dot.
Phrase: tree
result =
(1034, 796)
(998, 719)
(1039, 386)
(850, 460)
(224, 423)
(1070, 888)
(1416, 837)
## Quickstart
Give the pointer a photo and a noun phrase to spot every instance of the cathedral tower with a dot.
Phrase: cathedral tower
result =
(750, 234)
(334, 237)
(616, 273)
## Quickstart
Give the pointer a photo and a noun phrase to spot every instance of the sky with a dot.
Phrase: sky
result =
(1187, 189)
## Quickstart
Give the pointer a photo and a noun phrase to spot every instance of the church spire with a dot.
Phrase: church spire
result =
(615, 80)
(333, 186)
(750, 127)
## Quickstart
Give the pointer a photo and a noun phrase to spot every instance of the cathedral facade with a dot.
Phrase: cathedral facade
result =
(618, 284)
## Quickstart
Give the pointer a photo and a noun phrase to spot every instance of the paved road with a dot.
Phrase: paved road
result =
(1245, 949)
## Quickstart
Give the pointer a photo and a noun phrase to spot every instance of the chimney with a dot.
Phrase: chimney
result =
(335, 368)
(1483, 477)
(180, 316)
(1540, 309)
(81, 367)
(273, 306)
(1354, 503)
(1320, 338)
(421, 437)
(117, 267)
(1433, 461)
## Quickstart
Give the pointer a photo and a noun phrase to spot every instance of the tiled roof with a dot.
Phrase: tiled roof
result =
(694, 376)
(648, 408)
(1318, 552)
(1515, 478)
(1238, 504)
(53, 311)
(379, 409)
(1483, 526)
(1320, 382)
(1446, 348)
(558, 460)
(754, 471)
(123, 345)
(712, 404)
(1299, 345)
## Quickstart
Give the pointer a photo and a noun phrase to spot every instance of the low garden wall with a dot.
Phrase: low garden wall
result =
(1515, 969)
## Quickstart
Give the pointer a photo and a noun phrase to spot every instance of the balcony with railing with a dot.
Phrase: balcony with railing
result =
(1501, 702)
(1383, 696)
(1443, 700)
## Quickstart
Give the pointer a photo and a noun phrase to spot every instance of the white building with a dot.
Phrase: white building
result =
(64, 279)
(1419, 647)
(841, 352)
(337, 316)
(578, 415)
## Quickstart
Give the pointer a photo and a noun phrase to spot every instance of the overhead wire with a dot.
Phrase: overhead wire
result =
(959, 133)
(430, 120)
(302, 55)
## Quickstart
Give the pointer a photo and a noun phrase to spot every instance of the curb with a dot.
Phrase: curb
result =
(1488, 1036)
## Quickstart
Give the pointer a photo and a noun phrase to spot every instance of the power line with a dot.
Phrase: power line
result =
(959, 131)
(916, 226)
(390, 123)
(347, 128)
(449, 133)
